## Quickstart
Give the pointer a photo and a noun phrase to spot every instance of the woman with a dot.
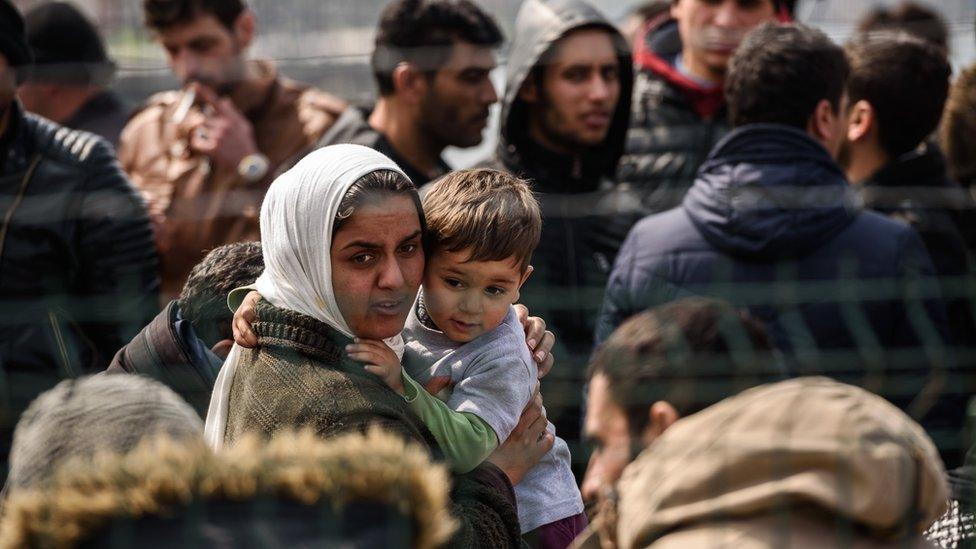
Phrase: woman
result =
(342, 242)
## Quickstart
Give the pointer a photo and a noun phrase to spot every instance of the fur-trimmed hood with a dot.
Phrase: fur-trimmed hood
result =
(295, 490)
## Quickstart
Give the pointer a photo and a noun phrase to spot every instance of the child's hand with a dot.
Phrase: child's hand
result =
(380, 361)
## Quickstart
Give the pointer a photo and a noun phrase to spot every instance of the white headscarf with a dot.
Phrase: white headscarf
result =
(296, 239)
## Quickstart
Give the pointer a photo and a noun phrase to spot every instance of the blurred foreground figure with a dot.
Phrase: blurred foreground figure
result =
(204, 155)
(81, 418)
(958, 127)
(77, 261)
(358, 490)
(432, 63)
(69, 81)
(185, 345)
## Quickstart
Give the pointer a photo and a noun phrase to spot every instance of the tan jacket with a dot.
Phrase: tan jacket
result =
(195, 209)
(802, 463)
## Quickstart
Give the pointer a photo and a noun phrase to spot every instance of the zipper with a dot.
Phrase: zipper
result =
(8, 218)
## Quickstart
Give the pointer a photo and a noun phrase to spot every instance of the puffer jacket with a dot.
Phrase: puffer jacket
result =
(585, 216)
(77, 260)
(675, 122)
(772, 224)
(808, 462)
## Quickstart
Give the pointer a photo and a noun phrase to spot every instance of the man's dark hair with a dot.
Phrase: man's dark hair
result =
(163, 14)
(781, 72)
(906, 81)
(421, 32)
(691, 353)
(203, 300)
(911, 17)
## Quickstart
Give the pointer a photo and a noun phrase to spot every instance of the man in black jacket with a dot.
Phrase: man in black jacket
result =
(564, 120)
(185, 345)
(897, 91)
(77, 260)
(679, 111)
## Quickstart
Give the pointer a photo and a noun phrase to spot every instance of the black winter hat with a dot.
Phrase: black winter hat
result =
(66, 46)
(13, 44)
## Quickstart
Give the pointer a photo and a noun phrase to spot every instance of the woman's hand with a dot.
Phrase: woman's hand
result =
(539, 340)
(527, 443)
(380, 361)
(243, 318)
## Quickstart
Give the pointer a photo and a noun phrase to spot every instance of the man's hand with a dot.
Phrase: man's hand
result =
(527, 444)
(245, 315)
(225, 136)
(539, 340)
(380, 361)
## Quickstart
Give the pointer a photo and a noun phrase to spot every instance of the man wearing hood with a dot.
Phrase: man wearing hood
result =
(678, 111)
(772, 224)
(687, 454)
(564, 120)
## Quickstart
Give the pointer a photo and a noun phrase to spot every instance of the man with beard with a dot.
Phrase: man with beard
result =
(77, 261)
(432, 63)
(564, 121)
(772, 224)
(204, 155)
(678, 111)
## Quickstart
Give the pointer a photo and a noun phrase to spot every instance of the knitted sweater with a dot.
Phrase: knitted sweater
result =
(299, 376)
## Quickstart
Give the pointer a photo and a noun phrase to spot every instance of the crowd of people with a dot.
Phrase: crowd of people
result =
(735, 256)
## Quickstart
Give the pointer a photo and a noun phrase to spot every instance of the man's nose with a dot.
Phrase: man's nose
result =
(727, 14)
(592, 480)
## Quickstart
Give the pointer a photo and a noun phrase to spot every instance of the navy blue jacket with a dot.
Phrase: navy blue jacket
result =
(772, 224)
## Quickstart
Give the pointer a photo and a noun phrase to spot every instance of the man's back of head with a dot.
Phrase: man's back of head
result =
(204, 298)
(781, 75)
(912, 17)
(901, 82)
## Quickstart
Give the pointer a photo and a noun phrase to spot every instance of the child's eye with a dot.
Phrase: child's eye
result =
(452, 282)
(494, 290)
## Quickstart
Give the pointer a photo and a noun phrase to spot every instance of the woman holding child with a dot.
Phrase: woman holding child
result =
(342, 236)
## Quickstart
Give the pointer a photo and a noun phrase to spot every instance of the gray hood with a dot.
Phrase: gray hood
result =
(539, 24)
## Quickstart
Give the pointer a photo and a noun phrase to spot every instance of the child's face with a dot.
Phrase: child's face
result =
(467, 299)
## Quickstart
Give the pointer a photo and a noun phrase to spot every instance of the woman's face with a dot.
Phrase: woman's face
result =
(377, 265)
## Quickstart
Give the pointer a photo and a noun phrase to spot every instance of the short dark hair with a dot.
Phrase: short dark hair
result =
(780, 73)
(906, 81)
(422, 32)
(380, 182)
(203, 300)
(911, 17)
(959, 127)
(691, 353)
(160, 15)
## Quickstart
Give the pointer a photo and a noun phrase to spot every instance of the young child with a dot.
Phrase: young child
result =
(464, 334)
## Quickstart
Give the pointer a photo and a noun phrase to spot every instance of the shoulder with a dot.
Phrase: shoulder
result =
(154, 109)
(503, 345)
(75, 150)
(312, 99)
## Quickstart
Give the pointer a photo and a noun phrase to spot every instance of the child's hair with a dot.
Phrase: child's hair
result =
(490, 212)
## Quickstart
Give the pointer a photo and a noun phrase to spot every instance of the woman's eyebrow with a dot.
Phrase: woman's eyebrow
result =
(362, 244)
(416, 234)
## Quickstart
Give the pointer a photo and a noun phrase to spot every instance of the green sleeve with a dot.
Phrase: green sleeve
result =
(465, 438)
(237, 295)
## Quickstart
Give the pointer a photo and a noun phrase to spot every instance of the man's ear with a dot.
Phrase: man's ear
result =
(222, 348)
(245, 28)
(821, 125)
(661, 416)
(861, 121)
(529, 92)
(409, 82)
(528, 271)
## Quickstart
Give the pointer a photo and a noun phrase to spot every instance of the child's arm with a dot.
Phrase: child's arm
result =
(465, 438)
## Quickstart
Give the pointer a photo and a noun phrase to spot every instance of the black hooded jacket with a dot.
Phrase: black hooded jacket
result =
(585, 215)
(772, 224)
